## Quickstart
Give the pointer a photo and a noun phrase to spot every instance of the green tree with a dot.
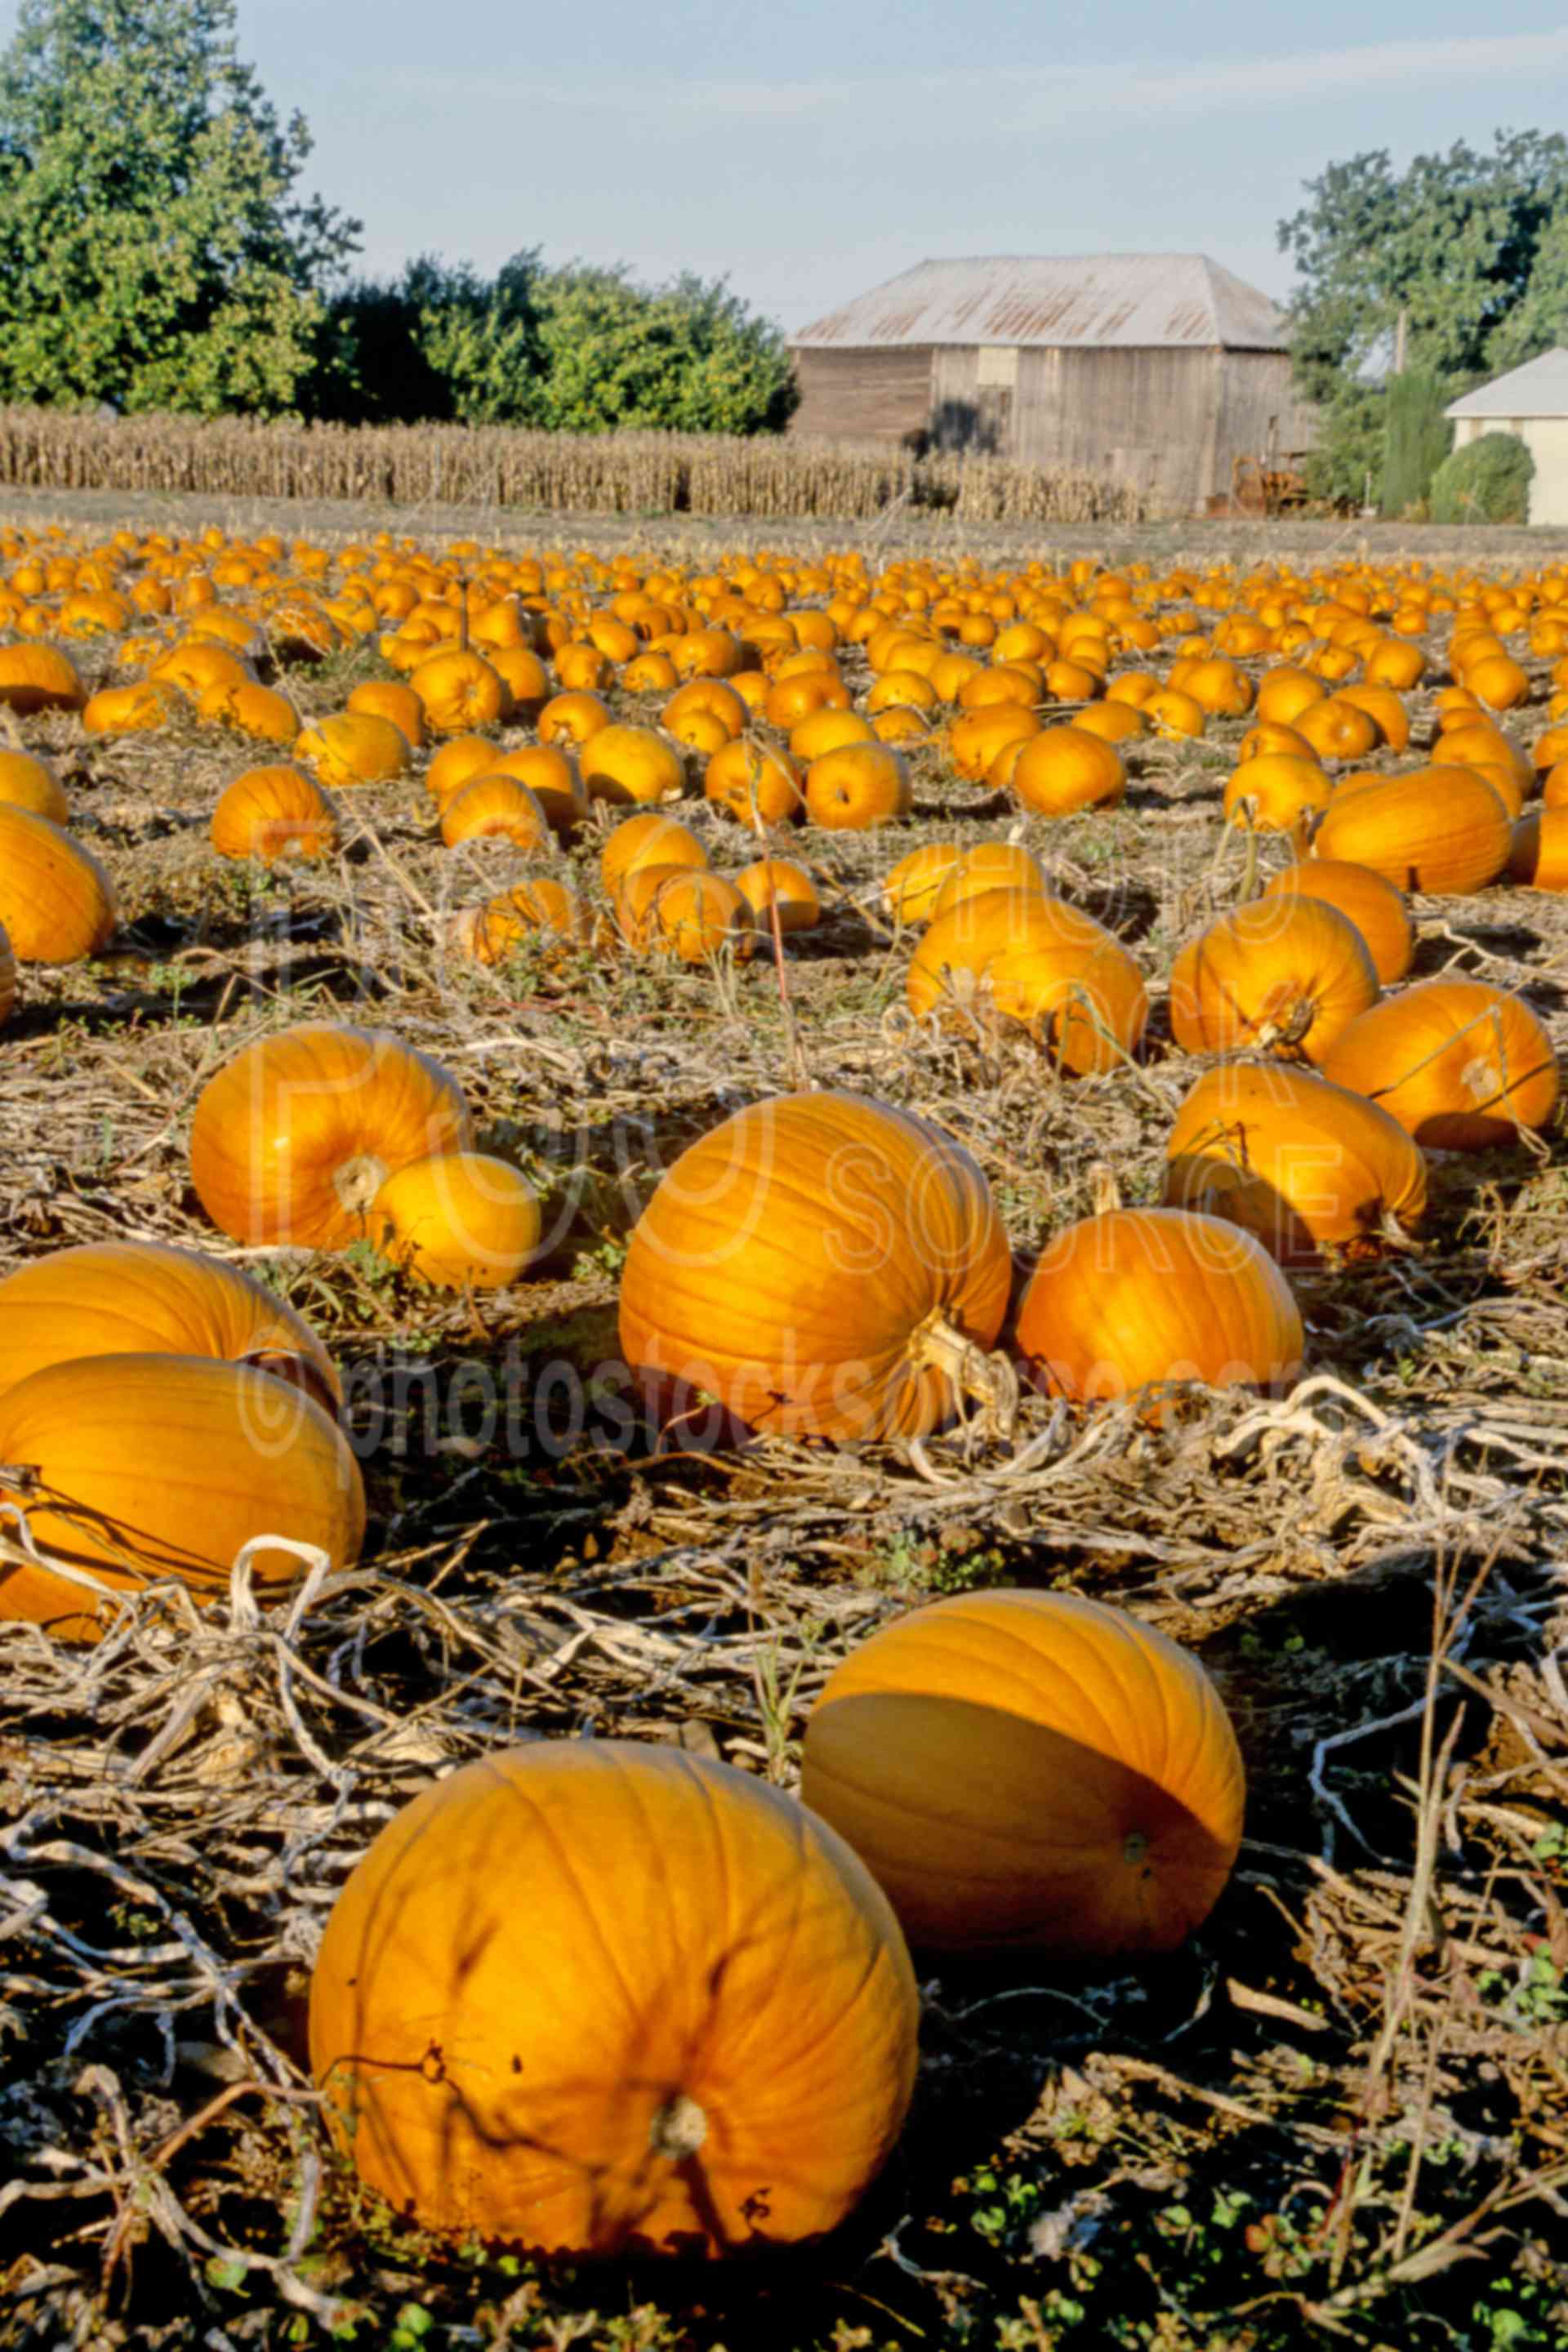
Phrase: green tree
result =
(437, 344)
(1416, 437)
(1471, 248)
(153, 248)
(1484, 481)
(690, 356)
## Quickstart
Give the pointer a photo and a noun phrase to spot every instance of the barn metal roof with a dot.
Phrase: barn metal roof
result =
(1539, 388)
(1102, 299)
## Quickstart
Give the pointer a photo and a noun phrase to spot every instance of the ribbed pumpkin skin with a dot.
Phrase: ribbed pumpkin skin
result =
(910, 891)
(793, 1261)
(489, 934)
(646, 840)
(292, 1140)
(1300, 1162)
(272, 813)
(173, 1464)
(593, 1934)
(1441, 830)
(457, 1219)
(142, 1298)
(1023, 956)
(1137, 1299)
(56, 903)
(989, 865)
(30, 784)
(1461, 1066)
(1030, 1770)
(496, 807)
(1286, 973)
(1539, 858)
(1364, 898)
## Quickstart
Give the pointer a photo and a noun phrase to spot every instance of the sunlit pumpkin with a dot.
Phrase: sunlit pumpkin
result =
(460, 692)
(822, 1264)
(273, 814)
(857, 787)
(624, 765)
(1539, 858)
(1139, 1299)
(56, 903)
(142, 1298)
(496, 808)
(684, 911)
(756, 782)
(1284, 973)
(1376, 908)
(1303, 1164)
(1275, 793)
(294, 1138)
(1026, 959)
(776, 885)
(40, 678)
(1065, 769)
(910, 891)
(1442, 830)
(142, 1469)
(456, 1220)
(675, 2015)
(648, 839)
(1030, 1770)
(28, 782)
(1462, 1066)
(541, 908)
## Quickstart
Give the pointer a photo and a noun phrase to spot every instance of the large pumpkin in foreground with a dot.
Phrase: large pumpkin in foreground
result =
(292, 1140)
(1303, 1164)
(1020, 956)
(1148, 1299)
(598, 1998)
(119, 1298)
(821, 1265)
(1030, 1770)
(139, 1469)
(1460, 1065)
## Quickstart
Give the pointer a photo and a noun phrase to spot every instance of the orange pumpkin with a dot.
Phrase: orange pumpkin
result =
(145, 1468)
(910, 892)
(292, 1140)
(684, 911)
(989, 865)
(389, 698)
(1135, 1299)
(353, 747)
(1460, 1065)
(137, 710)
(271, 813)
(491, 933)
(1275, 793)
(1066, 769)
(1442, 830)
(674, 2012)
(458, 1220)
(857, 787)
(1285, 973)
(552, 776)
(250, 709)
(1364, 898)
(460, 692)
(28, 782)
(626, 765)
(40, 678)
(56, 903)
(1030, 1770)
(821, 1265)
(143, 1298)
(496, 808)
(1298, 1161)
(754, 782)
(646, 840)
(775, 884)
(456, 762)
(1539, 858)
(1023, 957)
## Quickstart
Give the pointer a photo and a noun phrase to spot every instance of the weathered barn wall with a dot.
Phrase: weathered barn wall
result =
(864, 395)
(1169, 422)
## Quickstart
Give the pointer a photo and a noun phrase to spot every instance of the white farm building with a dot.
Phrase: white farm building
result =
(1532, 401)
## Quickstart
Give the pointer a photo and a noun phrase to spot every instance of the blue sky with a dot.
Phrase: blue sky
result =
(809, 150)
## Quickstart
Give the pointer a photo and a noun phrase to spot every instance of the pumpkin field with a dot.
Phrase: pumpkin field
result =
(784, 1435)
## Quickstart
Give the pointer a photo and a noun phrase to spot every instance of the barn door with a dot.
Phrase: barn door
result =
(996, 381)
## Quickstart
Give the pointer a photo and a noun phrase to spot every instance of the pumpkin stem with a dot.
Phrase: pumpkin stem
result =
(679, 2128)
(359, 1180)
(989, 1381)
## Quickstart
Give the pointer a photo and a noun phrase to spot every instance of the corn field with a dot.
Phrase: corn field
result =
(560, 473)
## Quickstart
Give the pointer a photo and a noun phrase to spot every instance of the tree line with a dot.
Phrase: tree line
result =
(157, 253)
(1414, 287)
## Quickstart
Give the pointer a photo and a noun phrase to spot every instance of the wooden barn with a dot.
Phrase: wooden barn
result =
(1157, 369)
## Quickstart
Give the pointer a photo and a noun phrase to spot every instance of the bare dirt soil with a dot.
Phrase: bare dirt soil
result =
(1341, 2115)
